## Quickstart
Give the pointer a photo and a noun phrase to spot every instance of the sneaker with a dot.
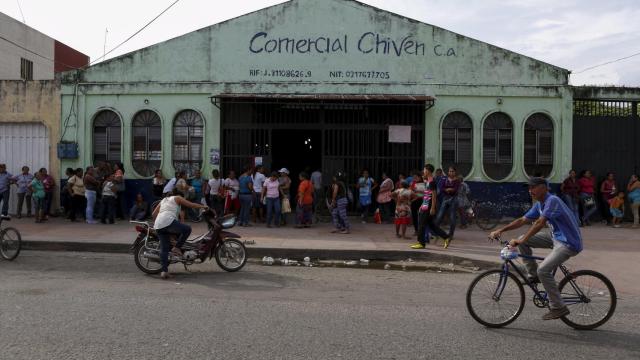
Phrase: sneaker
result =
(364, 222)
(335, 231)
(164, 275)
(446, 243)
(417, 246)
(556, 313)
(617, 226)
(345, 231)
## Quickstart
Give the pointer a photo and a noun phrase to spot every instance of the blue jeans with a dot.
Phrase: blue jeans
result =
(4, 198)
(182, 231)
(448, 203)
(245, 208)
(273, 206)
(91, 204)
(572, 204)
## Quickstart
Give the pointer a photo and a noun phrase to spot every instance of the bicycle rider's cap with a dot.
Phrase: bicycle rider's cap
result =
(534, 181)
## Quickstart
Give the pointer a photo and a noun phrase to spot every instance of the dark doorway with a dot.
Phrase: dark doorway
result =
(297, 150)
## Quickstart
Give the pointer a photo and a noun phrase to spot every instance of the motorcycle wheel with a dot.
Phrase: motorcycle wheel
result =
(147, 266)
(231, 255)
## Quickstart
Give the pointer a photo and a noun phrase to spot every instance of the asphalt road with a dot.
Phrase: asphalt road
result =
(58, 305)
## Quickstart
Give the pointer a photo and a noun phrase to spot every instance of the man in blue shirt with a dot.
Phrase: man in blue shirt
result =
(564, 238)
(6, 179)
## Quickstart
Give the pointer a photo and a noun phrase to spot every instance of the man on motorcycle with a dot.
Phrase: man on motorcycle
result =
(167, 224)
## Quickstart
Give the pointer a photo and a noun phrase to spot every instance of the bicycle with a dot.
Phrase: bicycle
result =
(489, 214)
(10, 240)
(481, 214)
(495, 298)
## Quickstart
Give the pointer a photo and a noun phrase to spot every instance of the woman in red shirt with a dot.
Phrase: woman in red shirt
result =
(587, 188)
(608, 191)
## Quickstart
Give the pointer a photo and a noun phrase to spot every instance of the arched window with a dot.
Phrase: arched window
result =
(188, 134)
(457, 142)
(106, 137)
(147, 142)
(497, 146)
(538, 145)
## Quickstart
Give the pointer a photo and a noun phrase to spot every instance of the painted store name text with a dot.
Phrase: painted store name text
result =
(368, 43)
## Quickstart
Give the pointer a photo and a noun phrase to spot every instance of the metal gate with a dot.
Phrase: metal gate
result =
(605, 138)
(354, 134)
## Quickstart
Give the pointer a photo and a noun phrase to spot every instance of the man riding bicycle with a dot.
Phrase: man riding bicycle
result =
(564, 238)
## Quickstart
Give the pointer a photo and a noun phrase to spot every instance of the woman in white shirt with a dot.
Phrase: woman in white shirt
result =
(166, 224)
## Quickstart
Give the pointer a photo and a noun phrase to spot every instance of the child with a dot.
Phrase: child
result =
(616, 208)
(403, 198)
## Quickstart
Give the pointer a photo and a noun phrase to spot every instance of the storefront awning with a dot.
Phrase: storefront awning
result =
(324, 98)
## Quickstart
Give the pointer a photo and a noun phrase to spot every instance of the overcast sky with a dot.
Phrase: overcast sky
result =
(573, 34)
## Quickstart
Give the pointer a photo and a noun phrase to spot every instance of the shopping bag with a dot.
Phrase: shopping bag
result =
(286, 206)
(377, 218)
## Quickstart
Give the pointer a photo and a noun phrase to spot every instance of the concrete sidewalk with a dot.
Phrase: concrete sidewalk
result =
(613, 252)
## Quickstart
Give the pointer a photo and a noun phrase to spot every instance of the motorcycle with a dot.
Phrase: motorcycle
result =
(229, 252)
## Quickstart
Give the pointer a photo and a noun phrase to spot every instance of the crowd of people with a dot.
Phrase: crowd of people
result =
(97, 194)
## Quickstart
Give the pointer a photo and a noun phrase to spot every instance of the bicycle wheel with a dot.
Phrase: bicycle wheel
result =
(10, 243)
(494, 300)
(486, 219)
(590, 297)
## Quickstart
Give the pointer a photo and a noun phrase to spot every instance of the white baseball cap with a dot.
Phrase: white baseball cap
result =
(284, 170)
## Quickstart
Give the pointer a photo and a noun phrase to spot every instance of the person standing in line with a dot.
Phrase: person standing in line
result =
(463, 202)
(271, 194)
(285, 190)
(198, 183)
(121, 207)
(170, 185)
(570, 189)
(449, 186)
(181, 184)
(109, 190)
(428, 211)
(6, 179)
(608, 191)
(318, 191)
(49, 185)
(403, 197)
(232, 187)
(258, 206)
(633, 192)
(90, 192)
(75, 186)
(65, 193)
(23, 181)
(385, 202)
(616, 208)
(418, 186)
(587, 199)
(246, 196)
(36, 187)
(401, 179)
(338, 204)
(157, 186)
(365, 186)
(215, 188)
(304, 208)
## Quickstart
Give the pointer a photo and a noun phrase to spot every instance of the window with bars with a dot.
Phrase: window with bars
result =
(538, 145)
(26, 69)
(147, 142)
(497, 145)
(188, 136)
(107, 139)
(457, 142)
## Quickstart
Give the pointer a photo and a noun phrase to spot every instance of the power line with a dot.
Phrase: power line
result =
(607, 63)
(136, 33)
(21, 13)
(37, 54)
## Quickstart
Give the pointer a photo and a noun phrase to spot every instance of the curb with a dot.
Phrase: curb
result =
(260, 252)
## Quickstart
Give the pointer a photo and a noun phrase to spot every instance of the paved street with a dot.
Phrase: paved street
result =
(62, 305)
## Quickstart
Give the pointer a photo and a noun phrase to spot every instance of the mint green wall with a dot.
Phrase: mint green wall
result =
(462, 73)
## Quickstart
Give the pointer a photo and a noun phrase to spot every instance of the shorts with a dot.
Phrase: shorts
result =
(616, 212)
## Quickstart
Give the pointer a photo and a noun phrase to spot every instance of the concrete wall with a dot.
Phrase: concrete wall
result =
(34, 102)
(16, 37)
(312, 47)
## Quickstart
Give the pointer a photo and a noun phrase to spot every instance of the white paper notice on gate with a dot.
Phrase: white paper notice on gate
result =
(399, 134)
